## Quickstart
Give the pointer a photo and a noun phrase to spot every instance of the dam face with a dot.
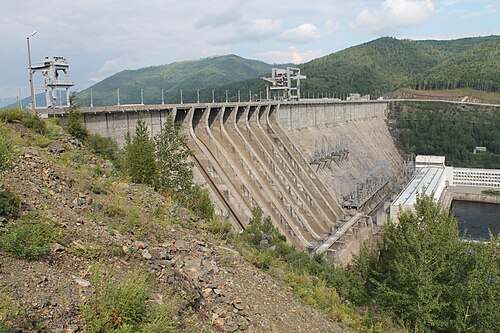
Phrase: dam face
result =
(316, 168)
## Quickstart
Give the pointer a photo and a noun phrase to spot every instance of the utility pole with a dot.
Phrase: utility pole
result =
(32, 87)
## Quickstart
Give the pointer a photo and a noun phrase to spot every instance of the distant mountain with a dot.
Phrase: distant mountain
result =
(375, 67)
(186, 75)
(384, 64)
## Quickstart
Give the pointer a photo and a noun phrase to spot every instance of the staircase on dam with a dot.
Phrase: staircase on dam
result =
(258, 154)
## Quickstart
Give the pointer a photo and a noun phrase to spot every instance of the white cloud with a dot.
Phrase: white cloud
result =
(394, 14)
(249, 30)
(291, 55)
(304, 33)
(108, 68)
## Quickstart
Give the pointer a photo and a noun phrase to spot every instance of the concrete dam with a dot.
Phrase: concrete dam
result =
(316, 167)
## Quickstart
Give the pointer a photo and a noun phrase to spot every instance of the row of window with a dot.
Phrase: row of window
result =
(482, 184)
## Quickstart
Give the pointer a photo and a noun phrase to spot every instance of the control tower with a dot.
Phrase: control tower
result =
(51, 68)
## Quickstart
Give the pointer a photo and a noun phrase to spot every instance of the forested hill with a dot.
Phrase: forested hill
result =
(374, 68)
(477, 68)
(387, 63)
(187, 75)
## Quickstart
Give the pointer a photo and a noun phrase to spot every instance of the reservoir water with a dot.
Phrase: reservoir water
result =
(476, 218)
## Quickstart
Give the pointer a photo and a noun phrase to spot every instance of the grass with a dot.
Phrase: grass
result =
(9, 308)
(10, 205)
(491, 192)
(124, 305)
(30, 237)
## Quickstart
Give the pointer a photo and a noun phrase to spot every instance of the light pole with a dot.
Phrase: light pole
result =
(32, 88)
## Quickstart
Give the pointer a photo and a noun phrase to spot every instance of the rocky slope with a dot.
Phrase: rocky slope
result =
(106, 224)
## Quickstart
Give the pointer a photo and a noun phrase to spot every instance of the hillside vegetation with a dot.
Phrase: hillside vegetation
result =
(452, 130)
(477, 68)
(386, 63)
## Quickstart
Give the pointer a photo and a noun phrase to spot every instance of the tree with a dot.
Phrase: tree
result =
(175, 170)
(430, 279)
(74, 120)
(140, 160)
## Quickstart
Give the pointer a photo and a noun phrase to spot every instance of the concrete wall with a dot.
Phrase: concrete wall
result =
(116, 124)
(300, 116)
(360, 125)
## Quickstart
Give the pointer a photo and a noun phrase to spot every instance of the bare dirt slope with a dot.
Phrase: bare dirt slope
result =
(106, 222)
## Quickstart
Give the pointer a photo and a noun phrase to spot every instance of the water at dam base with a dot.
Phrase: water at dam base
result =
(477, 218)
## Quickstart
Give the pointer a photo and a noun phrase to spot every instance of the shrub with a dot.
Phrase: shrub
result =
(116, 307)
(30, 237)
(106, 148)
(28, 119)
(12, 115)
(33, 121)
(5, 152)
(9, 204)
(74, 120)
(218, 227)
(197, 200)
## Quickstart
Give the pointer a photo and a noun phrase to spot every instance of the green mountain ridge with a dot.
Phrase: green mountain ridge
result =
(375, 67)
(477, 68)
(186, 75)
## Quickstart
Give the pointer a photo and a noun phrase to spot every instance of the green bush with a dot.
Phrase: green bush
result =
(106, 148)
(28, 119)
(198, 201)
(10, 204)
(33, 121)
(116, 306)
(74, 120)
(12, 115)
(218, 227)
(30, 237)
(5, 151)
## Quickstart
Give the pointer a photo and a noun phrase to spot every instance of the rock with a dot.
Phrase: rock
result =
(264, 243)
(139, 245)
(55, 147)
(125, 249)
(56, 247)
(146, 255)
(82, 282)
(206, 292)
(238, 305)
(72, 328)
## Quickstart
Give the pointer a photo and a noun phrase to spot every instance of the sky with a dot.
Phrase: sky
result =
(102, 37)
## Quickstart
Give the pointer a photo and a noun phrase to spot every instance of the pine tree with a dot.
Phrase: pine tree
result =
(176, 174)
(74, 120)
(140, 159)
(417, 266)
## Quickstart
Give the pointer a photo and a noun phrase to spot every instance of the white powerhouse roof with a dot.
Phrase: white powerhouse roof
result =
(422, 160)
(426, 181)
